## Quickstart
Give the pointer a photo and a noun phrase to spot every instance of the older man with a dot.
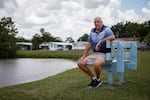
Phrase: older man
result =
(97, 42)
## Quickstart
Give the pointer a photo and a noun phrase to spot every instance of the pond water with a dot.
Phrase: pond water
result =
(16, 71)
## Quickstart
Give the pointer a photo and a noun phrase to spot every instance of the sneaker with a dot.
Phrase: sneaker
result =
(96, 83)
(92, 82)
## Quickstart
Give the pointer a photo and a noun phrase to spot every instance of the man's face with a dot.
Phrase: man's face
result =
(98, 23)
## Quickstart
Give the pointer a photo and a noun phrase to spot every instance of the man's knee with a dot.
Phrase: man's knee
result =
(81, 63)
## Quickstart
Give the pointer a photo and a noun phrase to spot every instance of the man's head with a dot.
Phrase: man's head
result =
(98, 23)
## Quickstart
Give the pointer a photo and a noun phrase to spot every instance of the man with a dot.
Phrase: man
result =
(97, 42)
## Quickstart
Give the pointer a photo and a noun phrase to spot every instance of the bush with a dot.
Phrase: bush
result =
(6, 52)
(147, 38)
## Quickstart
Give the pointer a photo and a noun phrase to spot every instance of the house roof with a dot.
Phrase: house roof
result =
(24, 43)
(56, 43)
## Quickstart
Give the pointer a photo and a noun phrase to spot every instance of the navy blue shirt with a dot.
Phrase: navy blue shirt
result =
(94, 38)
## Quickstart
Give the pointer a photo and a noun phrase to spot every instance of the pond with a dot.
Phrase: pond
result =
(16, 71)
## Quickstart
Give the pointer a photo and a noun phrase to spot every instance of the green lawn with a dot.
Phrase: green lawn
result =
(71, 85)
(71, 54)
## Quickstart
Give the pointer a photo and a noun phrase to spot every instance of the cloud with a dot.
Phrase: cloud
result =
(146, 12)
(92, 4)
(129, 15)
(72, 5)
(65, 18)
(2, 4)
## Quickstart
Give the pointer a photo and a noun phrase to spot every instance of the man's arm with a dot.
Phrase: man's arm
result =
(111, 37)
(86, 50)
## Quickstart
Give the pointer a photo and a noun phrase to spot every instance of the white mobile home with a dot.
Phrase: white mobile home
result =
(79, 45)
(24, 45)
(56, 46)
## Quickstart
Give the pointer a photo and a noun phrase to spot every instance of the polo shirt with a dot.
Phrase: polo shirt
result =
(94, 38)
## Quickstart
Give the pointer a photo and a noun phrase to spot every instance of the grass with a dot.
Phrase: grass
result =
(71, 85)
(71, 54)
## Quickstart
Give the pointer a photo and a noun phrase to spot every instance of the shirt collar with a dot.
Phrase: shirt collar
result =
(94, 29)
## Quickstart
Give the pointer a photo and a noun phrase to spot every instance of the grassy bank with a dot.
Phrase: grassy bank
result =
(72, 85)
(71, 54)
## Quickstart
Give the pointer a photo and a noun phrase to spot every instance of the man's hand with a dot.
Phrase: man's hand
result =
(98, 46)
(82, 58)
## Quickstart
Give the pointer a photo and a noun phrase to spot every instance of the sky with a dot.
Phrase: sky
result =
(71, 18)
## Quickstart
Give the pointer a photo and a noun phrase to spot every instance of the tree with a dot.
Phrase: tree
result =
(147, 38)
(7, 38)
(83, 38)
(119, 30)
(47, 37)
(58, 39)
(69, 39)
(36, 40)
(132, 30)
(44, 37)
(144, 30)
(21, 39)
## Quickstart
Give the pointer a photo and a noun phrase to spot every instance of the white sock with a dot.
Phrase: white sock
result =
(98, 79)
(93, 78)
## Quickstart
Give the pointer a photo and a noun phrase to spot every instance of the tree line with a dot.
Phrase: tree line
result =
(8, 37)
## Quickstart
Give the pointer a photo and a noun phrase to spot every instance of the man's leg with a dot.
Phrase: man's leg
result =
(82, 64)
(97, 66)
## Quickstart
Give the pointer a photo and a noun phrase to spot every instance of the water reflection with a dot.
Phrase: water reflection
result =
(15, 71)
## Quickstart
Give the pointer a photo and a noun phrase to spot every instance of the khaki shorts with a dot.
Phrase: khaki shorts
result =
(94, 56)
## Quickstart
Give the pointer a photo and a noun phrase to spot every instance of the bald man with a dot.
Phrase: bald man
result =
(97, 42)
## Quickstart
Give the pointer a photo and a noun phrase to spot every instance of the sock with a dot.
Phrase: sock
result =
(93, 78)
(98, 79)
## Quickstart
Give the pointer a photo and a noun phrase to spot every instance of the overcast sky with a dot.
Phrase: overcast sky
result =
(71, 18)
